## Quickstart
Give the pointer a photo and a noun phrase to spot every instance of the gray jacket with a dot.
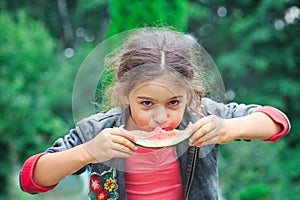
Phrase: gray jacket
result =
(199, 166)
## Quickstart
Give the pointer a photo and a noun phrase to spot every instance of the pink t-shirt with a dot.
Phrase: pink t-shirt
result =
(153, 174)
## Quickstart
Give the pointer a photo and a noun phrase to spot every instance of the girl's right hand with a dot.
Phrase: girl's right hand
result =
(110, 143)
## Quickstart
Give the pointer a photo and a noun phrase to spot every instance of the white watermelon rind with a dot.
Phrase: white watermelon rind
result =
(168, 142)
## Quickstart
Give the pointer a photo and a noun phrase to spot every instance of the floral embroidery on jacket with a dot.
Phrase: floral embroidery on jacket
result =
(104, 186)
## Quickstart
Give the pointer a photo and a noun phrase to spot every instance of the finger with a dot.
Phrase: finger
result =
(209, 139)
(209, 127)
(115, 135)
(120, 132)
(213, 140)
(122, 141)
(200, 133)
(200, 124)
(122, 149)
(205, 134)
(203, 121)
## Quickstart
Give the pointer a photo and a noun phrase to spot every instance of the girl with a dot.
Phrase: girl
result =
(156, 86)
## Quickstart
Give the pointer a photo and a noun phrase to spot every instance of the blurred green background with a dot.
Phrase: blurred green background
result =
(255, 45)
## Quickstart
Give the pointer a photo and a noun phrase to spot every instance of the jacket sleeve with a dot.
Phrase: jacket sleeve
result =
(27, 183)
(227, 111)
(84, 131)
(232, 110)
(278, 117)
(26, 177)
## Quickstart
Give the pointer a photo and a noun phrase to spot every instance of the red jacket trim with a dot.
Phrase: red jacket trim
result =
(279, 118)
(26, 176)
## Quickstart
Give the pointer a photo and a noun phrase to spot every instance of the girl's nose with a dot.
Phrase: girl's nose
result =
(159, 115)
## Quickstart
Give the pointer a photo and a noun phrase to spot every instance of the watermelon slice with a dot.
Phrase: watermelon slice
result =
(161, 138)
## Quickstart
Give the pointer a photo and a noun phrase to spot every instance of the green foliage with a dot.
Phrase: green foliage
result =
(256, 192)
(28, 75)
(259, 62)
(147, 13)
(257, 59)
(243, 164)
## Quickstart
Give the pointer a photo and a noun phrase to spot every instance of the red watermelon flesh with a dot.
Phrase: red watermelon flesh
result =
(161, 138)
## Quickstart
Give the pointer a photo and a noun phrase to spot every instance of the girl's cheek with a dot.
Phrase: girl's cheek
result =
(143, 119)
(176, 119)
(175, 123)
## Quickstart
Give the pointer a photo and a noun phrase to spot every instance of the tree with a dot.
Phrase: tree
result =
(28, 75)
(145, 13)
(69, 22)
(255, 46)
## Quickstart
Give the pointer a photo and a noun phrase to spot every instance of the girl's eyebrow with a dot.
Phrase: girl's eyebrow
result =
(145, 97)
(149, 98)
(177, 97)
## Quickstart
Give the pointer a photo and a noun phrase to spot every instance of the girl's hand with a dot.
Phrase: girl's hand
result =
(211, 130)
(110, 143)
(215, 130)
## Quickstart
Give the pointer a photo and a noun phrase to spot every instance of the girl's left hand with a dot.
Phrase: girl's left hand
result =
(211, 130)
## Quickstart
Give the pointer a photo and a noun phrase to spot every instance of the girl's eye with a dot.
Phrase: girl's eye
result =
(147, 103)
(174, 103)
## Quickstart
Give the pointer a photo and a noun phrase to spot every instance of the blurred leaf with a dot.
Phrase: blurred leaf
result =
(28, 78)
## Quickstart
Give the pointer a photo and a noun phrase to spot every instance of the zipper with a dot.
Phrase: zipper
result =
(192, 174)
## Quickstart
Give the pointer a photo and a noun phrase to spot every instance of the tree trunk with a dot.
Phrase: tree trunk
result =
(68, 33)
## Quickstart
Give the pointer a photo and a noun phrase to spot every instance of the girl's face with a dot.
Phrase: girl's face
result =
(156, 104)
